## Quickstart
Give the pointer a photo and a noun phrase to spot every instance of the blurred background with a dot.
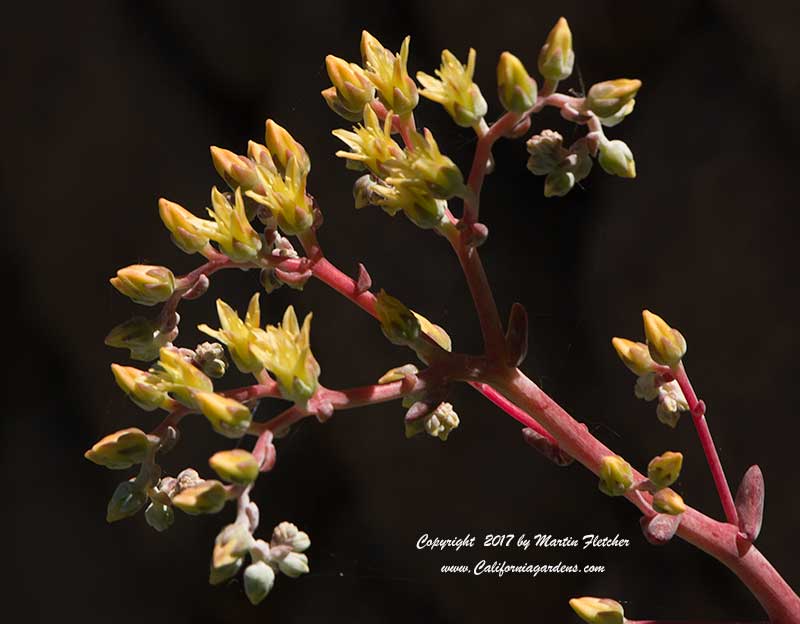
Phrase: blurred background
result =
(110, 105)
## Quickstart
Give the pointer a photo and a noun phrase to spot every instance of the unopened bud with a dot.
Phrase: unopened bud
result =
(352, 88)
(287, 534)
(659, 529)
(206, 498)
(616, 476)
(237, 171)
(235, 466)
(441, 422)
(598, 610)
(282, 146)
(230, 547)
(126, 501)
(515, 88)
(159, 516)
(121, 449)
(228, 417)
(668, 501)
(259, 578)
(616, 158)
(750, 502)
(183, 226)
(667, 345)
(140, 386)
(665, 469)
(145, 284)
(607, 98)
(557, 58)
(399, 324)
(210, 358)
(293, 564)
(635, 355)
(398, 374)
(546, 152)
(140, 335)
(558, 183)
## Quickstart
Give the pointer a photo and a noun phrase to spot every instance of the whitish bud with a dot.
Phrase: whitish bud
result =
(659, 529)
(441, 422)
(546, 152)
(210, 358)
(287, 534)
(515, 88)
(616, 475)
(159, 516)
(145, 284)
(635, 355)
(750, 502)
(607, 98)
(127, 499)
(557, 58)
(206, 498)
(259, 578)
(235, 466)
(665, 469)
(598, 610)
(667, 345)
(293, 564)
(616, 158)
(121, 449)
(228, 417)
(668, 501)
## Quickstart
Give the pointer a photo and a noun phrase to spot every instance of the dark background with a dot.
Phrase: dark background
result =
(109, 105)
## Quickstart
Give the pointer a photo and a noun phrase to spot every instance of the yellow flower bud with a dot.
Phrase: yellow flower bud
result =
(557, 58)
(230, 547)
(236, 237)
(616, 475)
(399, 324)
(667, 345)
(180, 376)
(143, 388)
(516, 89)
(206, 498)
(371, 144)
(144, 283)
(434, 332)
(455, 90)
(228, 417)
(237, 171)
(616, 158)
(283, 147)
(667, 501)
(598, 610)
(126, 501)
(352, 89)
(121, 449)
(235, 466)
(617, 117)
(189, 233)
(389, 73)
(607, 98)
(635, 355)
(665, 469)
(398, 373)
(427, 165)
(558, 183)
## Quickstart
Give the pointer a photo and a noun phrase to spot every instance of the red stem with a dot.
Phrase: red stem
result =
(697, 410)
(512, 410)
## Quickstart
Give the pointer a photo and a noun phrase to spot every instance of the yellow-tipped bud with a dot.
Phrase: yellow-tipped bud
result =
(398, 373)
(427, 165)
(616, 476)
(667, 345)
(665, 469)
(143, 388)
(352, 88)
(235, 466)
(230, 547)
(616, 158)
(434, 332)
(189, 233)
(557, 57)
(605, 99)
(282, 146)
(399, 324)
(455, 89)
(389, 73)
(228, 417)
(180, 376)
(144, 283)
(121, 449)
(635, 355)
(516, 89)
(598, 610)
(237, 171)
(669, 502)
(206, 498)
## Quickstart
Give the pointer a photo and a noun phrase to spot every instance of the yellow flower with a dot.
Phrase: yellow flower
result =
(371, 144)
(425, 164)
(143, 388)
(236, 237)
(180, 377)
(389, 73)
(238, 335)
(285, 351)
(455, 89)
(285, 196)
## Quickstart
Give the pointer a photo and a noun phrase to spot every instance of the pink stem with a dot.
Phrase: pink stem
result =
(512, 410)
(697, 410)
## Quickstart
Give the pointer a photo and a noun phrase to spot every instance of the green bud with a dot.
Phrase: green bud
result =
(206, 498)
(121, 449)
(668, 501)
(665, 469)
(235, 466)
(616, 158)
(127, 499)
(607, 98)
(399, 324)
(558, 183)
(144, 283)
(140, 335)
(557, 58)
(616, 476)
(667, 345)
(598, 610)
(159, 516)
(259, 578)
(515, 88)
